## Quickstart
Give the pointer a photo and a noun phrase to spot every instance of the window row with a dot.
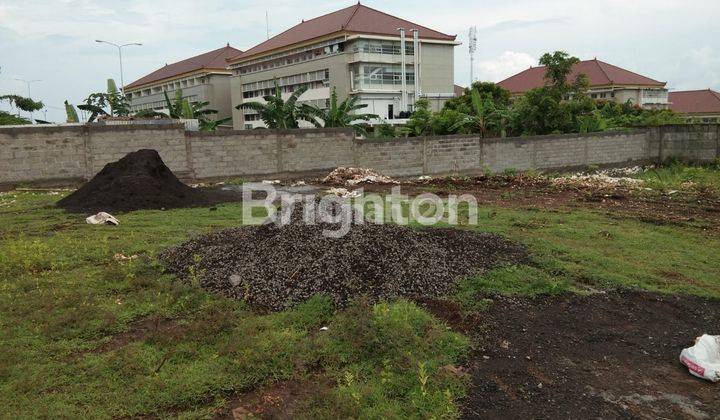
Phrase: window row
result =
(179, 84)
(293, 58)
(382, 47)
(375, 75)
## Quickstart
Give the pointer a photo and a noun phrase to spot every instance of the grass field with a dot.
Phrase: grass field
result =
(87, 332)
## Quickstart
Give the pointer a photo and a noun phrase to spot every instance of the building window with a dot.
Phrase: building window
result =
(375, 76)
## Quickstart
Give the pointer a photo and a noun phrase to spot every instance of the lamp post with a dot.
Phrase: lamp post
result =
(119, 47)
(28, 82)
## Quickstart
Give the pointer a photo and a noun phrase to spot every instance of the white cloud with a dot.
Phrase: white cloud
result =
(52, 40)
(504, 66)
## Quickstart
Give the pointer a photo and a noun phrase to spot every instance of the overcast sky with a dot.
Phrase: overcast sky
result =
(677, 41)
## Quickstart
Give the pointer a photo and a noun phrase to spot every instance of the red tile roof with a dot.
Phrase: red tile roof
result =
(598, 72)
(354, 19)
(213, 60)
(695, 101)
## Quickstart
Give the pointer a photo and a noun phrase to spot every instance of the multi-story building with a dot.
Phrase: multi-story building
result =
(203, 78)
(607, 82)
(697, 105)
(387, 62)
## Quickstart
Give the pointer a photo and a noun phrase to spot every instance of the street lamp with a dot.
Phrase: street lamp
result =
(119, 47)
(27, 82)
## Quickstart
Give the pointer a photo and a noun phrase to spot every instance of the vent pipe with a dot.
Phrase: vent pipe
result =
(416, 62)
(403, 72)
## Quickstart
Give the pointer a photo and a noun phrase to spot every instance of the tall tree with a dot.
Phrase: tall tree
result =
(338, 114)
(420, 122)
(558, 66)
(463, 103)
(111, 103)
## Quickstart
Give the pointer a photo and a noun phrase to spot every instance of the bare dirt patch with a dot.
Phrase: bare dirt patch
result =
(682, 208)
(154, 328)
(606, 355)
(283, 400)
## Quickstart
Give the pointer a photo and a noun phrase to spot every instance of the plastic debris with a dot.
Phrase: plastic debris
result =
(102, 218)
(355, 176)
(703, 359)
(344, 192)
(271, 182)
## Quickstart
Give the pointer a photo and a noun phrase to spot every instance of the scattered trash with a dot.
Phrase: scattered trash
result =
(123, 257)
(505, 344)
(271, 182)
(604, 178)
(298, 184)
(424, 178)
(343, 192)
(102, 218)
(355, 176)
(324, 329)
(597, 180)
(703, 359)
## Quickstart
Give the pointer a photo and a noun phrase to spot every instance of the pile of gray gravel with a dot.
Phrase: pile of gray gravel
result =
(275, 267)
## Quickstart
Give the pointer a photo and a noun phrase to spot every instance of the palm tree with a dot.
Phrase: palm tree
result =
(484, 109)
(339, 115)
(181, 108)
(277, 113)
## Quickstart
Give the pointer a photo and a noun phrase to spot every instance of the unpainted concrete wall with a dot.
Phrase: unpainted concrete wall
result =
(60, 154)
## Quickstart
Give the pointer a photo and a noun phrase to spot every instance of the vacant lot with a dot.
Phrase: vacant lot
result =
(90, 325)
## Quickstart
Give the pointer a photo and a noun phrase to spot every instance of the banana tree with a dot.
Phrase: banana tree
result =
(72, 116)
(98, 103)
(278, 113)
(212, 125)
(338, 114)
(484, 110)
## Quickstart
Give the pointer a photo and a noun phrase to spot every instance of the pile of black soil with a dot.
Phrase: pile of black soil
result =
(606, 355)
(274, 267)
(138, 181)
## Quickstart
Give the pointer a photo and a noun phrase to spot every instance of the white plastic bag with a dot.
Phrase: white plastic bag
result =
(102, 218)
(703, 359)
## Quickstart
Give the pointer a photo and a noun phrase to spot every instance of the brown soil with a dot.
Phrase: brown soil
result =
(606, 355)
(139, 181)
(283, 400)
(683, 208)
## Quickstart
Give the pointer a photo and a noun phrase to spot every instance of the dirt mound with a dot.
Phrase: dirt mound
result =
(140, 180)
(609, 355)
(276, 267)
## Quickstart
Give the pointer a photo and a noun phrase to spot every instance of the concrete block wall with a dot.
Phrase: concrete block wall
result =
(221, 154)
(28, 154)
(110, 143)
(65, 153)
(696, 142)
(452, 154)
(259, 152)
(394, 157)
